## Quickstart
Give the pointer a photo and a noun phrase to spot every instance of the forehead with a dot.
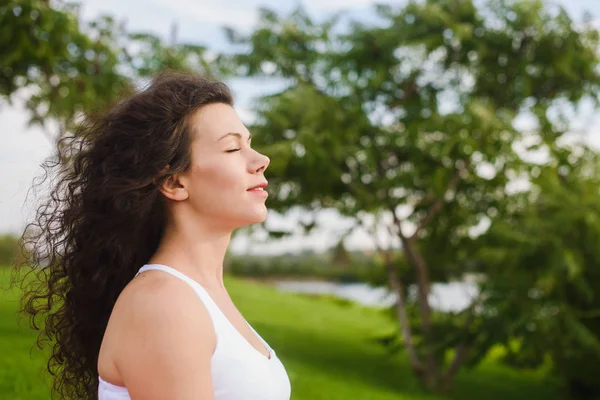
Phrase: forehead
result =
(212, 121)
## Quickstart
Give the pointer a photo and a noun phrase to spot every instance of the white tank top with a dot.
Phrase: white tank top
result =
(239, 371)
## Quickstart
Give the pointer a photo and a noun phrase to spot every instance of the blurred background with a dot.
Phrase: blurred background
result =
(434, 209)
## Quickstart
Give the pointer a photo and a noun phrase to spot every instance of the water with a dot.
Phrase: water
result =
(452, 296)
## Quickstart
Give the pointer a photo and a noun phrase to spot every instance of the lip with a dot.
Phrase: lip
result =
(261, 185)
(258, 190)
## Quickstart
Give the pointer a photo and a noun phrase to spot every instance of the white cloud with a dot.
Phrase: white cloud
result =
(334, 5)
(241, 15)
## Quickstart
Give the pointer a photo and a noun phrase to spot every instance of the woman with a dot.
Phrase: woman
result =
(130, 247)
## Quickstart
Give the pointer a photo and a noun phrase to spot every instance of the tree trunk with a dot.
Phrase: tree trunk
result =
(398, 288)
(431, 375)
(447, 380)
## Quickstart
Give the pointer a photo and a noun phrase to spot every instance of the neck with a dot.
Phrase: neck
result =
(195, 251)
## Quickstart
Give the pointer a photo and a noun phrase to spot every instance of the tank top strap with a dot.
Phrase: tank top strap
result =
(198, 288)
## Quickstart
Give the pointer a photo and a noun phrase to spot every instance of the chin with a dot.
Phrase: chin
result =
(254, 218)
(259, 217)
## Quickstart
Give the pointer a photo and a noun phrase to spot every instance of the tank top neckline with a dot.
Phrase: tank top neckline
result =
(181, 274)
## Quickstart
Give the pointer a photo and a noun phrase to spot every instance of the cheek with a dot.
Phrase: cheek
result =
(217, 179)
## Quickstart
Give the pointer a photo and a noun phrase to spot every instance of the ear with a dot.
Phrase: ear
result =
(173, 188)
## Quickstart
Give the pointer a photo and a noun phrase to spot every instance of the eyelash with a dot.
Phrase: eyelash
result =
(233, 150)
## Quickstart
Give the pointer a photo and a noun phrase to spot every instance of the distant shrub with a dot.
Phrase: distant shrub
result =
(9, 249)
(312, 265)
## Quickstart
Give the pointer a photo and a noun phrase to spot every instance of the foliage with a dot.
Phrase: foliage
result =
(70, 68)
(411, 123)
(9, 249)
(544, 272)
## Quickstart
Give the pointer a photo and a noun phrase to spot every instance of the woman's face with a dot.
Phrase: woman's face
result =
(223, 170)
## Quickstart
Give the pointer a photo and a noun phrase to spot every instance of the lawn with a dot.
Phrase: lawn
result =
(328, 349)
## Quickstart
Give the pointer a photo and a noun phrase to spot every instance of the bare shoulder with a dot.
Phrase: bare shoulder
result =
(155, 292)
(163, 339)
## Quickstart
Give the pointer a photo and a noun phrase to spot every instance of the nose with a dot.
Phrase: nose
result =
(261, 163)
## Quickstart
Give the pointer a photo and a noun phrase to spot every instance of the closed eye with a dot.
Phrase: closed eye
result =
(233, 150)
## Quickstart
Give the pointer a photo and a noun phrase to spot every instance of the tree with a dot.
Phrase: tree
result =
(68, 69)
(72, 68)
(544, 271)
(412, 121)
(26, 29)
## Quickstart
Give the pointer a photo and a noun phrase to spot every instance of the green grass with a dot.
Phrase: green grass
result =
(327, 348)
(21, 368)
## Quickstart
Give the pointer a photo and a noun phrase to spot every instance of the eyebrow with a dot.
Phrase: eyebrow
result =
(239, 135)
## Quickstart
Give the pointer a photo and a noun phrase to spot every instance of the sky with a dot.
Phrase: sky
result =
(23, 148)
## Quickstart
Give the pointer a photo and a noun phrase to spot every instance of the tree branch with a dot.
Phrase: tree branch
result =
(462, 350)
(415, 258)
(459, 357)
(418, 262)
(397, 287)
(437, 206)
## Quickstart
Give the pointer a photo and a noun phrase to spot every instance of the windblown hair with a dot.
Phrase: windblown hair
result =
(103, 219)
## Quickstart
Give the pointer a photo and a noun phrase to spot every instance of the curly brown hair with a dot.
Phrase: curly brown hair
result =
(103, 219)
